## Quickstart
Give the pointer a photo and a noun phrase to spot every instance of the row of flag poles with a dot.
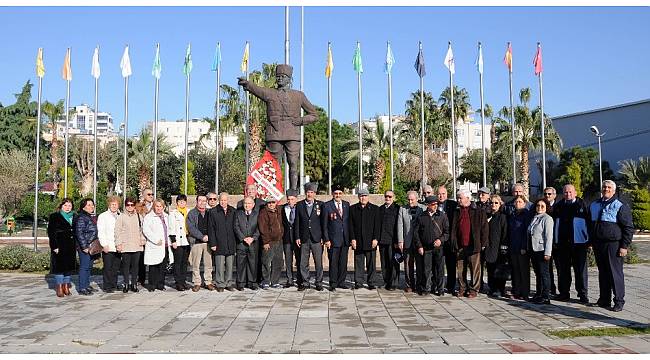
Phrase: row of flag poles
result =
(126, 71)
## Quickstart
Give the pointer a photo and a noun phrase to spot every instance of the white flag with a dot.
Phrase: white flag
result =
(449, 61)
(125, 64)
(479, 60)
(94, 71)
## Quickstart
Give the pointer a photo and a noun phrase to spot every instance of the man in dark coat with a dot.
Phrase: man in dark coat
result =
(430, 233)
(406, 221)
(309, 236)
(247, 249)
(291, 249)
(251, 190)
(223, 241)
(364, 229)
(469, 235)
(197, 226)
(447, 207)
(387, 238)
(336, 236)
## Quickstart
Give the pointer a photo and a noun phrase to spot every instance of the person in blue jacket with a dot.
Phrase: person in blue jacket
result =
(610, 231)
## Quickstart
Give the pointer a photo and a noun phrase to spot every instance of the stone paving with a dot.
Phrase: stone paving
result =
(34, 320)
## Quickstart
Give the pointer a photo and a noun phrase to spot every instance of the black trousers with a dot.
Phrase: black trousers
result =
(316, 250)
(409, 267)
(450, 264)
(610, 272)
(550, 271)
(157, 272)
(181, 254)
(291, 252)
(493, 283)
(142, 269)
(424, 265)
(130, 263)
(272, 263)
(389, 267)
(338, 261)
(540, 266)
(247, 264)
(570, 256)
(520, 275)
(365, 258)
(112, 262)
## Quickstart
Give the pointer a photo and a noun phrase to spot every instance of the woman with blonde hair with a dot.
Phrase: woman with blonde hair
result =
(106, 233)
(129, 241)
(157, 249)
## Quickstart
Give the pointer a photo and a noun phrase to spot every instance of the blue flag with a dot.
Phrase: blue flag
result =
(419, 63)
(216, 63)
(390, 60)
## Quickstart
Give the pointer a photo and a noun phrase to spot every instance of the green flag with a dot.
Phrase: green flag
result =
(157, 68)
(187, 66)
(356, 60)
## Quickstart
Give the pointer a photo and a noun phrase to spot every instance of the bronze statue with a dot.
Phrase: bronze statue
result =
(283, 124)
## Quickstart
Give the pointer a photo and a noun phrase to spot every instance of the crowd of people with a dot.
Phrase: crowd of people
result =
(445, 245)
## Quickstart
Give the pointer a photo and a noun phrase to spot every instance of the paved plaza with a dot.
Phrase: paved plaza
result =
(34, 320)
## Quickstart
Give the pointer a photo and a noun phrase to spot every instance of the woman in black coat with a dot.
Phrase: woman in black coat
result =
(62, 246)
(496, 253)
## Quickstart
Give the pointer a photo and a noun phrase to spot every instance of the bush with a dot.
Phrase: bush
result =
(36, 261)
(11, 257)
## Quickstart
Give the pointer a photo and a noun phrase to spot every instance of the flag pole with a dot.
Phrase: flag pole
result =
(126, 129)
(453, 126)
(38, 151)
(302, 111)
(96, 76)
(360, 125)
(512, 121)
(329, 123)
(187, 123)
(286, 61)
(423, 180)
(390, 123)
(218, 121)
(247, 122)
(155, 131)
(67, 121)
(541, 105)
(480, 76)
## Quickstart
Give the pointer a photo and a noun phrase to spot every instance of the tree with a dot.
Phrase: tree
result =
(583, 160)
(73, 192)
(18, 122)
(641, 208)
(16, 178)
(191, 184)
(462, 105)
(141, 157)
(170, 172)
(231, 176)
(636, 175)
(436, 130)
(53, 112)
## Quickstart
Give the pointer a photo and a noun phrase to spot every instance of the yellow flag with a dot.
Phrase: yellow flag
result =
(244, 60)
(330, 63)
(66, 72)
(40, 68)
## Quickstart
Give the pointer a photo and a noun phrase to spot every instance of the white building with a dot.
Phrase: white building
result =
(82, 122)
(199, 129)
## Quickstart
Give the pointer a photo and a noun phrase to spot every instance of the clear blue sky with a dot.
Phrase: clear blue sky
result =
(593, 57)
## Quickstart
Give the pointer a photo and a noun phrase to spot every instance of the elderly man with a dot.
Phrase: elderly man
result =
(197, 226)
(469, 235)
(509, 207)
(247, 249)
(406, 220)
(611, 231)
(550, 194)
(271, 234)
(223, 242)
(430, 233)
(483, 202)
(251, 190)
(309, 236)
(448, 207)
(336, 235)
(427, 190)
(364, 230)
(291, 250)
(388, 240)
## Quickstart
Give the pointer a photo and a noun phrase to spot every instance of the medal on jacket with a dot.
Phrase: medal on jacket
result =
(317, 209)
(333, 216)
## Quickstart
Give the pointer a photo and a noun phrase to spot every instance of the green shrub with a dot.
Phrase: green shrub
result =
(36, 262)
(641, 208)
(11, 257)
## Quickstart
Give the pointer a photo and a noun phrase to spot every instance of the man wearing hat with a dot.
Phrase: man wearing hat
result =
(291, 250)
(483, 199)
(430, 233)
(364, 229)
(284, 120)
(336, 236)
(309, 236)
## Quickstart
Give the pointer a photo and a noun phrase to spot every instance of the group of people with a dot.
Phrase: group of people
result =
(261, 239)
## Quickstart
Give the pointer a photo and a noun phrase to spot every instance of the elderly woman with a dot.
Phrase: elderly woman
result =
(85, 232)
(519, 252)
(540, 235)
(157, 249)
(129, 241)
(496, 253)
(106, 232)
(62, 246)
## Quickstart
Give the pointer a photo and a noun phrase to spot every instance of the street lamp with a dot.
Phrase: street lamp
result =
(123, 128)
(597, 134)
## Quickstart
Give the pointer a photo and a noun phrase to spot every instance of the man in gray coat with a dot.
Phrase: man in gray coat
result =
(247, 240)
(197, 226)
(408, 215)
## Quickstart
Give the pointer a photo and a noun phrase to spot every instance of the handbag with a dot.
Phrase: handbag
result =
(503, 272)
(95, 248)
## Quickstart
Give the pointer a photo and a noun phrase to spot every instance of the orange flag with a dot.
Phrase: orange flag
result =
(507, 59)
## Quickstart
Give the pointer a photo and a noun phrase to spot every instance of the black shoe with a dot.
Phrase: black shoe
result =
(161, 288)
(180, 288)
(603, 304)
(288, 285)
(301, 287)
(562, 297)
(85, 292)
(437, 293)
(134, 288)
(109, 291)
(455, 292)
(371, 287)
(319, 287)
(253, 287)
(357, 286)
(584, 300)
(151, 289)
(332, 288)
(125, 288)
(230, 288)
(390, 288)
(240, 288)
(617, 308)
(344, 287)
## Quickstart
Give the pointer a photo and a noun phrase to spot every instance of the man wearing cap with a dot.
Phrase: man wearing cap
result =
(291, 250)
(284, 120)
(483, 199)
(336, 236)
(271, 229)
(430, 233)
(364, 229)
(309, 236)
(408, 216)
(387, 238)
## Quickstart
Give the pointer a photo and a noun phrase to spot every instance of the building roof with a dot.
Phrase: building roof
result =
(613, 107)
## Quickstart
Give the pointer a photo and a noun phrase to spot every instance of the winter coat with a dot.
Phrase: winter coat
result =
(364, 225)
(517, 231)
(195, 235)
(270, 225)
(106, 229)
(570, 220)
(221, 230)
(335, 227)
(85, 229)
(177, 227)
(540, 233)
(153, 230)
(479, 230)
(406, 221)
(498, 236)
(388, 224)
(429, 228)
(611, 220)
(128, 232)
(60, 233)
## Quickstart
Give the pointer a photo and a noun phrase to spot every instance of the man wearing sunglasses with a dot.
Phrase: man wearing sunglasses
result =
(197, 224)
(388, 240)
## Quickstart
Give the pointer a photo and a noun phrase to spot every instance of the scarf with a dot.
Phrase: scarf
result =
(67, 216)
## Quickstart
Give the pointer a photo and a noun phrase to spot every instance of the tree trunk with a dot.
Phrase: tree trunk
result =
(378, 176)
(256, 143)
(144, 182)
(524, 169)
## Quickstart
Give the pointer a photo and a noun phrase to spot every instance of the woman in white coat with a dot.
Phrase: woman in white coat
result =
(157, 249)
(540, 236)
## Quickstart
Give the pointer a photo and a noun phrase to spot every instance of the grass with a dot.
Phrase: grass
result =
(606, 331)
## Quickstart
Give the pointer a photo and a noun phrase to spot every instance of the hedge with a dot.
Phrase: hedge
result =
(15, 257)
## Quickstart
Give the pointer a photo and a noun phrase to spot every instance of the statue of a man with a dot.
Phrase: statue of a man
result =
(284, 120)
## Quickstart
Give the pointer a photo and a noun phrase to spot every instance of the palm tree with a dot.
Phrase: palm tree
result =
(53, 112)
(265, 78)
(636, 175)
(230, 114)
(141, 156)
(436, 130)
(527, 133)
(462, 107)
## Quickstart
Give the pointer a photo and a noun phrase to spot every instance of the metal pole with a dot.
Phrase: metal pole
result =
(390, 126)
(541, 106)
(67, 122)
(187, 126)
(286, 61)
(155, 136)
(600, 161)
(453, 128)
(126, 131)
(512, 126)
(302, 111)
(216, 160)
(38, 155)
(95, 141)
(329, 125)
(483, 126)
(423, 181)
(247, 122)
(360, 127)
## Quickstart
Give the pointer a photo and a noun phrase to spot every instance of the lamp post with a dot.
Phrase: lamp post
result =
(597, 134)
(123, 128)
